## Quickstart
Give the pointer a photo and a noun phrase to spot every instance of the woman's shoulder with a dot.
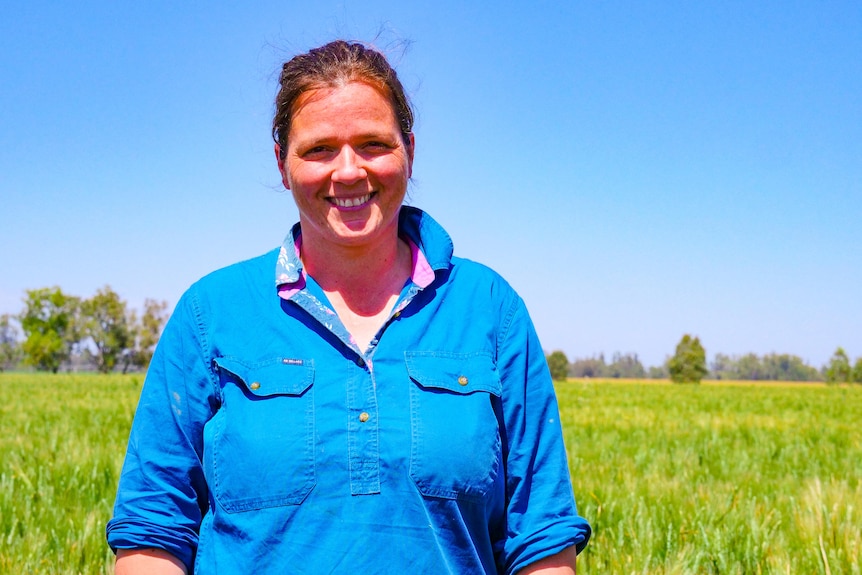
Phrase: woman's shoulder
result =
(477, 271)
(480, 280)
(252, 274)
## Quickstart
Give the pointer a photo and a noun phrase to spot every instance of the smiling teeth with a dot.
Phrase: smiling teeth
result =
(351, 202)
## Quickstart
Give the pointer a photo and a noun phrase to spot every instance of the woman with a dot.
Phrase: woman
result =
(381, 407)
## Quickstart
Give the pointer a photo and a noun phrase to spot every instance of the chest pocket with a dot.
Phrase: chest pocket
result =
(262, 446)
(455, 438)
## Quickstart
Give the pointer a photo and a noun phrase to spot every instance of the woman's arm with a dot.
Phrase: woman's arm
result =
(541, 516)
(147, 562)
(162, 486)
(563, 563)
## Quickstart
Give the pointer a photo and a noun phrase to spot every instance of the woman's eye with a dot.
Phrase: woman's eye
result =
(315, 151)
(377, 146)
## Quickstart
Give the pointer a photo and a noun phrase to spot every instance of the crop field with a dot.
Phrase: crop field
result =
(742, 478)
(674, 479)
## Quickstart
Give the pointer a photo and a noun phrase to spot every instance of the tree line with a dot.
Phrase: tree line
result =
(688, 364)
(102, 333)
(57, 331)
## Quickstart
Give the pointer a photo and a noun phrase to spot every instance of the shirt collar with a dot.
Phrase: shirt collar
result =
(430, 247)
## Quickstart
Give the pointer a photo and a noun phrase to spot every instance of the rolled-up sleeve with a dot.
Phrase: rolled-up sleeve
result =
(541, 516)
(162, 493)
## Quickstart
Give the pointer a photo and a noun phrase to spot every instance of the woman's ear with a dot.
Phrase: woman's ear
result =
(410, 151)
(280, 160)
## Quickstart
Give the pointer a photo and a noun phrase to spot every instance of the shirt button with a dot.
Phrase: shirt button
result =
(463, 380)
(363, 417)
(255, 385)
(360, 362)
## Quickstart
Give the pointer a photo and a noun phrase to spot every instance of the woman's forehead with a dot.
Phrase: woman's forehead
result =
(352, 103)
(325, 89)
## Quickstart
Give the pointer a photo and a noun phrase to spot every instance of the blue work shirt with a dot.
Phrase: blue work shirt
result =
(265, 441)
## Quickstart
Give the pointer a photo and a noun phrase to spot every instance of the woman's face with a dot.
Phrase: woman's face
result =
(347, 165)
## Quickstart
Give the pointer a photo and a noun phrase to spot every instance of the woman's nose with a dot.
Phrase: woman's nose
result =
(348, 168)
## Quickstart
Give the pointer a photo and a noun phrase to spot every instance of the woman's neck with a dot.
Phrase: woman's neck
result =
(361, 282)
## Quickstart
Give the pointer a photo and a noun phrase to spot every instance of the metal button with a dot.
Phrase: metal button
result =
(463, 380)
(363, 417)
(255, 385)
(360, 362)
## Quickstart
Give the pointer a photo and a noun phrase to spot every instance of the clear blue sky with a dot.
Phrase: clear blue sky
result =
(637, 170)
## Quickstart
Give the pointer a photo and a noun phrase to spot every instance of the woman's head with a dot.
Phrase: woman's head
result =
(334, 65)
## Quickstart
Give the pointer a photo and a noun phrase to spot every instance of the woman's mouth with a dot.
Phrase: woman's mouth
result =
(352, 202)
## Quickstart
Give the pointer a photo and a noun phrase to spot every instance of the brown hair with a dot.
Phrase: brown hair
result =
(336, 64)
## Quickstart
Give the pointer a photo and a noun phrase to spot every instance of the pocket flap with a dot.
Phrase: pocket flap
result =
(277, 376)
(456, 372)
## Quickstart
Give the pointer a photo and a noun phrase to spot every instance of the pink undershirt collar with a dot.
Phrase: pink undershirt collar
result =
(421, 274)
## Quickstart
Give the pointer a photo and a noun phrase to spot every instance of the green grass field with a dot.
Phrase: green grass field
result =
(674, 479)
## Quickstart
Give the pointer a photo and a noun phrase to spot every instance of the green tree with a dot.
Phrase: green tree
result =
(590, 367)
(657, 372)
(626, 365)
(750, 367)
(838, 370)
(558, 363)
(773, 366)
(10, 346)
(147, 332)
(688, 364)
(857, 370)
(50, 325)
(785, 367)
(106, 323)
(723, 367)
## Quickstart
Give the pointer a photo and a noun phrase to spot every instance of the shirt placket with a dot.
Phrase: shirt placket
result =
(363, 414)
(363, 440)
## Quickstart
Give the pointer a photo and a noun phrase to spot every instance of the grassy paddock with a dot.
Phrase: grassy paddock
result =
(714, 478)
(62, 439)
(717, 478)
